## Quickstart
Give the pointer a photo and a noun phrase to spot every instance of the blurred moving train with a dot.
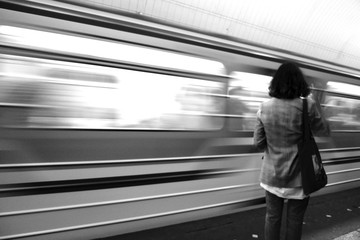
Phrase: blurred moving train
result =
(111, 125)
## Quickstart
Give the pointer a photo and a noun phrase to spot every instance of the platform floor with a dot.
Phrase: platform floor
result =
(329, 217)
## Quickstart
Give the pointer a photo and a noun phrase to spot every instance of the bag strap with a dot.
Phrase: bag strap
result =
(305, 118)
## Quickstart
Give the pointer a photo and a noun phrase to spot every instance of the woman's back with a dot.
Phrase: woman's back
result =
(281, 128)
(282, 122)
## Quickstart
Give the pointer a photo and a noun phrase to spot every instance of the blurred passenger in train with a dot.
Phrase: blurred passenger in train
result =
(343, 114)
(196, 103)
(278, 131)
(239, 109)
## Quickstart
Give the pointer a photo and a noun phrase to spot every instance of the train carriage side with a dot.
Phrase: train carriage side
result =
(104, 135)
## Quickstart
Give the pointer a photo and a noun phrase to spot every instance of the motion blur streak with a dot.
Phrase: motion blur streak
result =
(44, 40)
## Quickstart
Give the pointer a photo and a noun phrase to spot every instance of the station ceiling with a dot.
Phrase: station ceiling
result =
(328, 30)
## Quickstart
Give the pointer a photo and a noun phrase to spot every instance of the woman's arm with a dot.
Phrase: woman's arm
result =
(259, 133)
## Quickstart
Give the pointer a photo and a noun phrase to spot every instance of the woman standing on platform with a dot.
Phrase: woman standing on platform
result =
(278, 131)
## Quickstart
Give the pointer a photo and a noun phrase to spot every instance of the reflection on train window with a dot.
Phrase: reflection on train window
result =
(45, 93)
(246, 92)
(343, 112)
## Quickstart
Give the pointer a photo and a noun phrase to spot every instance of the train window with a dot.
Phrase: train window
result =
(47, 93)
(76, 45)
(246, 92)
(345, 88)
(170, 102)
(342, 106)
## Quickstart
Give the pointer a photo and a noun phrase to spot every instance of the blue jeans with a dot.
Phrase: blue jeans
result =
(294, 217)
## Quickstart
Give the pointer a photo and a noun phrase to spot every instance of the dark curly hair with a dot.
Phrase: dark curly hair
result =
(288, 82)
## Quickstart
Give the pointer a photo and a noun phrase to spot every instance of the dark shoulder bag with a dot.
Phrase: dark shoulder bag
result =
(312, 171)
